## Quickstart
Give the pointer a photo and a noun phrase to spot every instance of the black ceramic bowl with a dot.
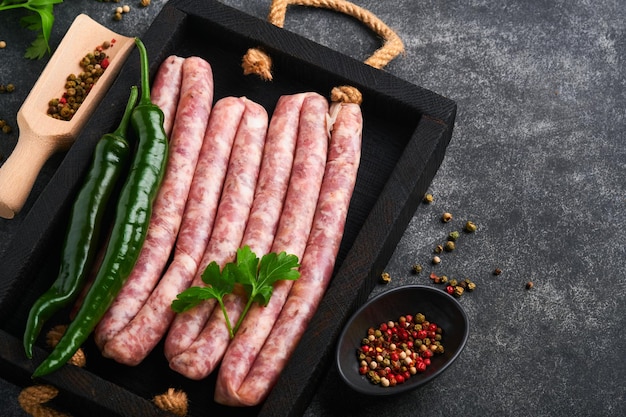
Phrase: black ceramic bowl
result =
(436, 305)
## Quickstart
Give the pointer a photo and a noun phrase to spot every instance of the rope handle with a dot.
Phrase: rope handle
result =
(255, 61)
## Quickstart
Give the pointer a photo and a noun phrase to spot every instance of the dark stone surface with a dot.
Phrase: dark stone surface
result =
(537, 160)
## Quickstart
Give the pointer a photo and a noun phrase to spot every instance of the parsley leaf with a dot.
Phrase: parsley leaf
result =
(257, 277)
(41, 21)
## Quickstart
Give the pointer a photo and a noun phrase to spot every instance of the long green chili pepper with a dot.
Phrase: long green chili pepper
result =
(111, 158)
(132, 218)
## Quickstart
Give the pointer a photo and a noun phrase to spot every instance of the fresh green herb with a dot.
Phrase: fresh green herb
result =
(40, 21)
(257, 277)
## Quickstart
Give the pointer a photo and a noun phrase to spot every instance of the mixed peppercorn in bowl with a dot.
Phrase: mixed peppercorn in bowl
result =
(401, 339)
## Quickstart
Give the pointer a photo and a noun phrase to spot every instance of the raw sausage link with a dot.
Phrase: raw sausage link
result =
(166, 89)
(316, 266)
(131, 345)
(200, 359)
(294, 229)
(192, 115)
(233, 213)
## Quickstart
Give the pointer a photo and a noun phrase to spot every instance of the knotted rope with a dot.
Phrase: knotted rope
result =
(256, 61)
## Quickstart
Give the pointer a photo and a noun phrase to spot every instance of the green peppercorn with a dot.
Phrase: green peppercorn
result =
(10, 88)
(453, 236)
(6, 129)
(450, 246)
(417, 268)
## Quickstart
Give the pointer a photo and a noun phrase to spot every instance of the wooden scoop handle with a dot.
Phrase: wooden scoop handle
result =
(19, 172)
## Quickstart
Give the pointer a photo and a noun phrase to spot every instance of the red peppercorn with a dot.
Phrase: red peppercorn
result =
(105, 63)
(450, 289)
(422, 334)
(420, 366)
(432, 327)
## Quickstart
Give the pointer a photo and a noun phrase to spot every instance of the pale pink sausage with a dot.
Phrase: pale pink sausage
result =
(316, 266)
(165, 89)
(291, 237)
(233, 212)
(192, 115)
(132, 344)
(200, 359)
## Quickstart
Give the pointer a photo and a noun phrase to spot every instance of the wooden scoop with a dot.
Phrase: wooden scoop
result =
(41, 135)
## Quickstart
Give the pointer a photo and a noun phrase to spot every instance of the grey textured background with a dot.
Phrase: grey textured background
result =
(537, 160)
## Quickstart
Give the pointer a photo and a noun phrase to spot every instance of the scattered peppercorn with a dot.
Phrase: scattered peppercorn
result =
(470, 227)
(385, 277)
(529, 285)
(438, 249)
(428, 198)
(9, 88)
(450, 246)
(458, 291)
(446, 217)
(497, 271)
(453, 236)
(3, 44)
(436, 260)
(145, 3)
(6, 128)
(396, 350)
(417, 268)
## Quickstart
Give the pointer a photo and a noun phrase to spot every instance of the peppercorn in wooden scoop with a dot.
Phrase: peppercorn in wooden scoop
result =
(42, 135)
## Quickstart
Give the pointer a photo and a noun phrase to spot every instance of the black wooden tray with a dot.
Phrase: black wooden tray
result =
(406, 132)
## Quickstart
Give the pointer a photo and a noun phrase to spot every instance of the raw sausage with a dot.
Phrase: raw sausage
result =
(294, 228)
(316, 266)
(206, 351)
(131, 345)
(233, 213)
(192, 115)
(166, 89)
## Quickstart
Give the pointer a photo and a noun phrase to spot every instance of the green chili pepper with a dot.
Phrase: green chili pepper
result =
(110, 159)
(132, 218)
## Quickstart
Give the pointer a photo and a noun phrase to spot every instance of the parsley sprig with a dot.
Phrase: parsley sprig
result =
(256, 276)
(40, 20)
